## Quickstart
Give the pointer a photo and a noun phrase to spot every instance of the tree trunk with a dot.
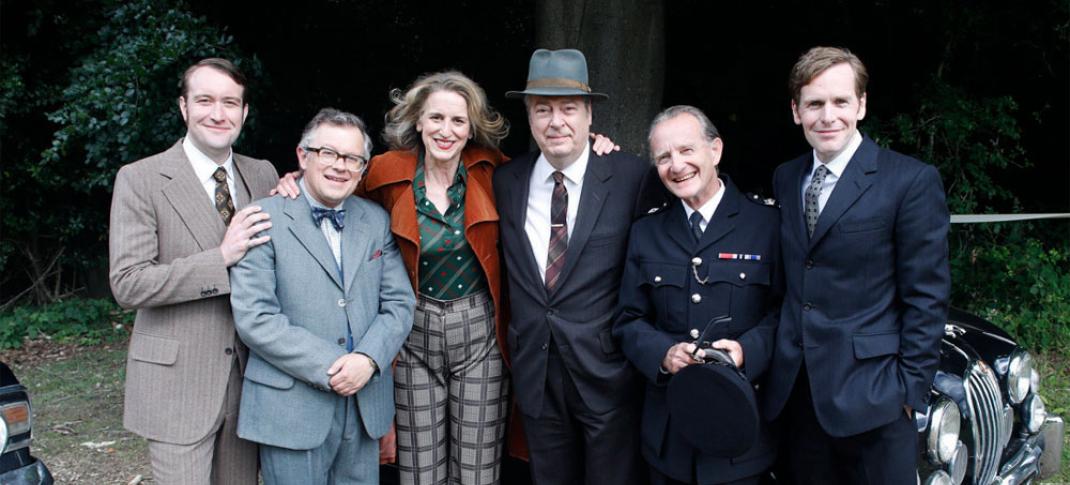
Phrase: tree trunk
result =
(624, 42)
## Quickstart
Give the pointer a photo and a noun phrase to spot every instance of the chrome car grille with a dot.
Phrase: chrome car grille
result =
(986, 413)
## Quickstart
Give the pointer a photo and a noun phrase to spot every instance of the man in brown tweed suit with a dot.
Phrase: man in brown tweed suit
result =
(174, 232)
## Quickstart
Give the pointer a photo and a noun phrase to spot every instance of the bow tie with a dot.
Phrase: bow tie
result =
(337, 217)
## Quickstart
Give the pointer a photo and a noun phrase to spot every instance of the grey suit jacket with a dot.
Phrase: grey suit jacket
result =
(164, 241)
(291, 308)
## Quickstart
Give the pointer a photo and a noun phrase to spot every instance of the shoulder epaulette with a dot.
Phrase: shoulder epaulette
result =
(655, 209)
(757, 199)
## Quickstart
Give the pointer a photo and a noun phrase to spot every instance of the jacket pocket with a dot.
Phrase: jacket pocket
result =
(862, 225)
(875, 345)
(738, 273)
(264, 373)
(153, 349)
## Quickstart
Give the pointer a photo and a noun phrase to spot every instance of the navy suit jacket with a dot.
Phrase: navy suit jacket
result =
(659, 310)
(579, 313)
(867, 295)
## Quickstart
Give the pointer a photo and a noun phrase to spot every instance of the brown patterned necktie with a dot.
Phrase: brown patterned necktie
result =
(555, 259)
(223, 202)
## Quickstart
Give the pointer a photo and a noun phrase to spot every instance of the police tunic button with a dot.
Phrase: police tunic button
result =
(342, 302)
(696, 261)
(743, 276)
(657, 279)
(694, 333)
(696, 298)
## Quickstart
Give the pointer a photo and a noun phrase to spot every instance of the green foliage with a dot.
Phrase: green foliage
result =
(1014, 274)
(77, 320)
(100, 92)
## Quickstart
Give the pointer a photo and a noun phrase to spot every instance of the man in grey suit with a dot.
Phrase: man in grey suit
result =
(170, 247)
(324, 307)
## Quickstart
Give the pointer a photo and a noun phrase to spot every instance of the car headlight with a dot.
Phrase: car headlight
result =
(1019, 377)
(1034, 382)
(1034, 413)
(943, 431)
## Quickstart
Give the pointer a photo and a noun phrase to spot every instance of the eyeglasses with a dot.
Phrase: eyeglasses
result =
(326, 156)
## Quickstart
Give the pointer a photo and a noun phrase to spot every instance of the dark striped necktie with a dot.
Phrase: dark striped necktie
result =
(555, 259)
(696, 225)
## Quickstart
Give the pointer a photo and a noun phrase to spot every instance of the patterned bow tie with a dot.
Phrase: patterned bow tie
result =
(337, 217)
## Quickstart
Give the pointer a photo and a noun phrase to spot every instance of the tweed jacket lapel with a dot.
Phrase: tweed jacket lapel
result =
(187, 196)
(310, 236)
(355, 242)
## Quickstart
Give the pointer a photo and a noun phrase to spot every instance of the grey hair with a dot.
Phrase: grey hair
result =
(331, 116)
(709, 132)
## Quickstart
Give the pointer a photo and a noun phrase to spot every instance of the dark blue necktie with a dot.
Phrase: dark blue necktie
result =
(337, 217)
(696, 228)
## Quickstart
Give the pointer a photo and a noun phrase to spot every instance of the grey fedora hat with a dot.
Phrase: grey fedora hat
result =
(557, 73)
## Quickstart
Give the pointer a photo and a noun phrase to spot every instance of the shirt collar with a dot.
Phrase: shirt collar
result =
(709, 207)
(839, 162)
(574, 172)
(203, 166)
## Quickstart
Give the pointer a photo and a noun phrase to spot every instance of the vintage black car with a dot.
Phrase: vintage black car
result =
(986, 423)
(17, 466)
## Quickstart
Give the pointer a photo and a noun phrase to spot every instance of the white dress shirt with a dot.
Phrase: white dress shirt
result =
(707, 209)
(204, 167)
(540, 194)
(334, 237)
(835, 168)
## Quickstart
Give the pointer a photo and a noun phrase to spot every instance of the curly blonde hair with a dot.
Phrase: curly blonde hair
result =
(488, 126)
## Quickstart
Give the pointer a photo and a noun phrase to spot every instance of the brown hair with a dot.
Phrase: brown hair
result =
(818, 60)
(488, 126)
(222, 65)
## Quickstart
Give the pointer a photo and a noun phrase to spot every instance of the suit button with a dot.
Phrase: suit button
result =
(545, 346)
(743, 276)
(341, 341)
(694, 333)
(657, 279)
(696, 298)
(228, 351)
(807, 306)
(696, 261)
(341, 302)
(809, 263)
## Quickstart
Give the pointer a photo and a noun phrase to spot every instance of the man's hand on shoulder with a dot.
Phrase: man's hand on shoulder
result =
(350, 373)
(287, 186)
(246, 224)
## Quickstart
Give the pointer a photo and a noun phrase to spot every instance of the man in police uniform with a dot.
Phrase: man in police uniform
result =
(716, 253)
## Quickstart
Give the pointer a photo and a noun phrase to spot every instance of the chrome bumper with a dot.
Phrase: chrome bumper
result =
(33, 474)
(1038, 457)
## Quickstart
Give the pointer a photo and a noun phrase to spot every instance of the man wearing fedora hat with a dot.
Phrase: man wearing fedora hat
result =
(714, 253)
(565, 213)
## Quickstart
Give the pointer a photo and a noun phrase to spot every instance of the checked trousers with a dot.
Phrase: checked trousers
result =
(451, 390)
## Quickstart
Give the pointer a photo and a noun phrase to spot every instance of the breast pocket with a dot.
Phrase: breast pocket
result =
(666, 285)
(743, 288)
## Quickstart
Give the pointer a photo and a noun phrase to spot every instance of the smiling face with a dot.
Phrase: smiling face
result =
(331, 184)
(444, 127)
(214, 112)
(560, 126)
(829, 110)
(686, 161)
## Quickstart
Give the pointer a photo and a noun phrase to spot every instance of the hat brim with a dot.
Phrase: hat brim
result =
(714, 409)
(554, 92)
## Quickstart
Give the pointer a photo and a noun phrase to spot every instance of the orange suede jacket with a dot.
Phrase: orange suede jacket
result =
(388, 181)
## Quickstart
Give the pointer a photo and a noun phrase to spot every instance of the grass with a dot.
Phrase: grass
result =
(1054, 371)
(77, 398)
(77, 394)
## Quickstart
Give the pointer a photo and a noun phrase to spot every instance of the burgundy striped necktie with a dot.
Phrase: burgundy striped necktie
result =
(555, 259)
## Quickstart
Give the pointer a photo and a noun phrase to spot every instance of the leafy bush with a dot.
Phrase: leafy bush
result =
(77, 320)
(1015, 274)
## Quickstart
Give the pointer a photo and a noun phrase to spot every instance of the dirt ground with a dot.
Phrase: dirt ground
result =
(76, 394)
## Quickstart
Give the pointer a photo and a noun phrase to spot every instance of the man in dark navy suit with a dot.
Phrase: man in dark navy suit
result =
(864, 240)
(565, 214)
(714, 252)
